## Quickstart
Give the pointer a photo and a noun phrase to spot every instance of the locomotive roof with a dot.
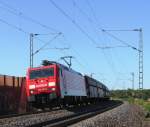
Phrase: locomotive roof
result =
(46, 63)
(67, 68)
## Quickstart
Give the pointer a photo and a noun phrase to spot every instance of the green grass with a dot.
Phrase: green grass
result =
(130, 100)
(141, 102)
(147, 106)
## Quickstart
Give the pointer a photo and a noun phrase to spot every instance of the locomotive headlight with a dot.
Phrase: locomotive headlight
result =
(31, 86)
(51, 84)
(53, 89)
(31, 91)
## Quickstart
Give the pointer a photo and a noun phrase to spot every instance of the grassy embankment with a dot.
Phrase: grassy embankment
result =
(144, 103)
(137, 97)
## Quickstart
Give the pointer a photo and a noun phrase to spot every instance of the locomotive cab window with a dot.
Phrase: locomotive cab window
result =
(41, 73)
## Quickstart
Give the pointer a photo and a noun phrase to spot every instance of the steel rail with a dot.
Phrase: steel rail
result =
(71, 119)
(27, 113)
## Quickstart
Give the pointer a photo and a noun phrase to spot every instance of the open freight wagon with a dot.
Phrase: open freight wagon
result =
(12, 94)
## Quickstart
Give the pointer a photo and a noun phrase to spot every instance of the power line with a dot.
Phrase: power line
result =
(46, 44)
(109, 47)
(126, 44)
(106, 31)
(79, 63)
(122, 30)
(91, 21)
(93, 13)
(111, 64)
(24, 16)
(74, 22)
(78, 54)
(32, 53)
(81, 11)
(69, 47)
(118, 39)
(91, 8)
(56, 48)
(140, 51)
(21, 30)
(14, 26)
(98, 24)
(87, 17)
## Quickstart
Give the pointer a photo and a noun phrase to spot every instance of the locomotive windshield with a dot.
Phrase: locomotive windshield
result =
(41, 73)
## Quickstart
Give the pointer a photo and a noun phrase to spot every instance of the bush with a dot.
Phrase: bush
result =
(147, 106)
(140, 102)
(131, 100)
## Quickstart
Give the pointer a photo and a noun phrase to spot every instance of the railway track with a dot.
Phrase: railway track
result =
(27, 113)
(69, 120)
(58, 118)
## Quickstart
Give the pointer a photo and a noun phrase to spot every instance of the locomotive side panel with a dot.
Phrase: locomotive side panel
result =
(73, 83)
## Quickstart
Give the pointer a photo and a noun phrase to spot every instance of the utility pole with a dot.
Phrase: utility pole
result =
(132, 80)
(66, 61)
(140, 59)
(140, 50)
(31, 49)
(32, 53)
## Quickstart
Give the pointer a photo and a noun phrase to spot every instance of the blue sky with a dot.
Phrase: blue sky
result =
(111, 66)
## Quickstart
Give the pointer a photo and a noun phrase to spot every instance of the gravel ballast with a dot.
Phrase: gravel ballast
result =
(126, 115)
(28, 120)
(32, 119)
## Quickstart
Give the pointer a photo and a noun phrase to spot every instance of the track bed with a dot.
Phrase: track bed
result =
(63, 117)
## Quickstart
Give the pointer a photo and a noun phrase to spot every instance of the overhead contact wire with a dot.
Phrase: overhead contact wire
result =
(21, 14)
(74, 22)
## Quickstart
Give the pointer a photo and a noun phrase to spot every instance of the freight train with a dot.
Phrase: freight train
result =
(56, 84)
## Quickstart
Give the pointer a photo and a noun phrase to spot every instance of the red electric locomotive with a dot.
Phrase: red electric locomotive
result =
(57, 84)
(52, 83)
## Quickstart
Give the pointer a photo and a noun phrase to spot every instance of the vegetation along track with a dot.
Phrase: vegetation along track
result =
(58, 118)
